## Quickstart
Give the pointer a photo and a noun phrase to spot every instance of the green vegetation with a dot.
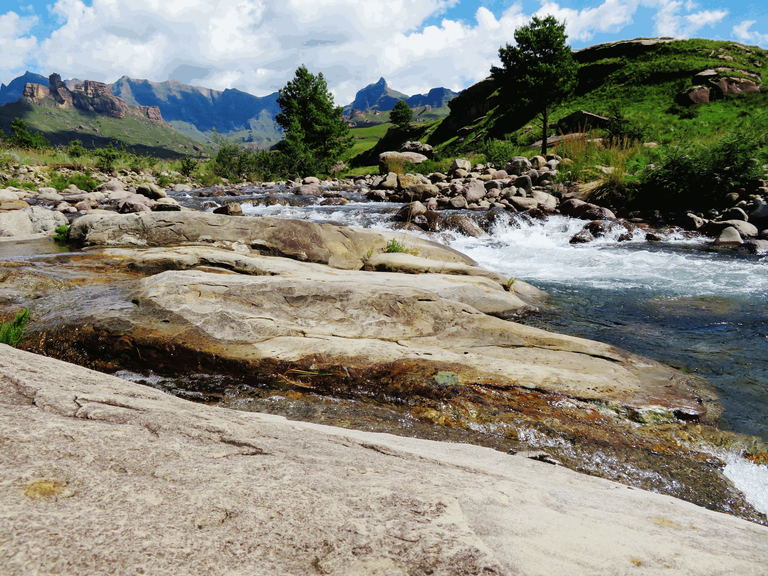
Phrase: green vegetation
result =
(82, 181)
(21, 137)
(316, 135)
(539, 69)
(11, 333)
(61, 234)
(396, 246)
(401, 115)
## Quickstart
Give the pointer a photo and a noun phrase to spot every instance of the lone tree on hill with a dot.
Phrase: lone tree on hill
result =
(315, 132)
(401, 114)
(540, 67)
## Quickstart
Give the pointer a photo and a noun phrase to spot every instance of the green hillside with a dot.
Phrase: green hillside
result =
(61, 126)
(644, 79)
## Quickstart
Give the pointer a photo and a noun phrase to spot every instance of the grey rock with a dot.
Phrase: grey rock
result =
(729, 237)
(105, 477)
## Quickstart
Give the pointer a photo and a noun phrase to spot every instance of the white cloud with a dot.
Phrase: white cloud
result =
(610, 16)
(16, 45)
(669, 21)
(256, 45)
(744, 34)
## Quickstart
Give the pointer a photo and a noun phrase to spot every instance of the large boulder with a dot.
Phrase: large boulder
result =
(104, 476)
(338, 246)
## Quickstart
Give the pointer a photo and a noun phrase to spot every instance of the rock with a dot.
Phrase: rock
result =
(500, 175)
(406, 180)
(182, 188)
(11, 205)
(524, 183)
(44, 220)
(311, 180)
(111, 186)
(400, 158)
(338, 246)
(461, 164)
(421, 191)
(309, 190)
(151, 190)
(407, 212)
(745, 229)
(760, 210)
(87, 454)
(546, 201)
(695, 95)
(729, 237)
(568, 207)
(15, 223)
(474, 191)
(537, 162)
(518, 165)
(756, 247)
(6, 194)
(135, 203)
(583, 237)
(522, 204)
(458, 202)
(418, 147)
(735, 214)
(463, 224)
(231, 209)
(692, 222)
(166, 205)
(390, 182)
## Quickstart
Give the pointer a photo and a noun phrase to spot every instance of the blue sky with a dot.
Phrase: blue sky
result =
(256, 45)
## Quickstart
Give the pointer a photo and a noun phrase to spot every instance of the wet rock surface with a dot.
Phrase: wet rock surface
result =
(104, 476)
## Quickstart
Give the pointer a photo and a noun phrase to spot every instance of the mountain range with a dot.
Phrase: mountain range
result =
(196, 111)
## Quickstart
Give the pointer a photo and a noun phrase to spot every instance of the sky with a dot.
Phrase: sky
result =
(256, 45)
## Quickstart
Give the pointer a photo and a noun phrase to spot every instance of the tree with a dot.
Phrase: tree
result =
(23, 138)
(315, 132)
(540, 67)
(401, 114)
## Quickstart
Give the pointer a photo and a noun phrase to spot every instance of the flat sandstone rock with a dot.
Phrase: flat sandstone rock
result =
(103, 476)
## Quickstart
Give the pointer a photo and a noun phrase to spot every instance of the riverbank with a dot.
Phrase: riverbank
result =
(108, 477)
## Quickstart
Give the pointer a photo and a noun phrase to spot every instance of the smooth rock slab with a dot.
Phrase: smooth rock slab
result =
(103, 476)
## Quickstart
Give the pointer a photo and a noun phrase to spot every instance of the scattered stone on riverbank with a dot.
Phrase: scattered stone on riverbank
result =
(88, 455)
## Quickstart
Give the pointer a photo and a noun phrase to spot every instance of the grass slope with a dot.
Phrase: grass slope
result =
(643, 80)
(61, 126)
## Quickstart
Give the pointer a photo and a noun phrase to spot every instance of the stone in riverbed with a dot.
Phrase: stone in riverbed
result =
(729, 237)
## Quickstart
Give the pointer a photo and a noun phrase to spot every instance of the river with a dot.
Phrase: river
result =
(680, 301)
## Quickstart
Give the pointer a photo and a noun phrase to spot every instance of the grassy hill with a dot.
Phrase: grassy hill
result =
(644, 79)
(61, 126)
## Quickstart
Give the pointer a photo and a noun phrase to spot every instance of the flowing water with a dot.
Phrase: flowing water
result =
(679, 301)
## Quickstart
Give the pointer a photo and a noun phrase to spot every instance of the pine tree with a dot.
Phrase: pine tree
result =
(540, 68)
(315, 132)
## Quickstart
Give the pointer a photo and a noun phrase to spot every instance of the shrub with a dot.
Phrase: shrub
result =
(61, 235)
(395, 164)
(82, 181)
(396, 246)
(76, 149)
(23, 138)
(499, 152)
(11, 333)
(107, 157)
(698, 176)
(188, 165)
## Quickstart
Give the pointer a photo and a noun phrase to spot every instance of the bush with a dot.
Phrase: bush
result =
(188, 165)
(107, 157)
(11, 333)
(76, 149)
(499, 152)
(82, 181)
(23, 138)
(694, 176)
(61, 235)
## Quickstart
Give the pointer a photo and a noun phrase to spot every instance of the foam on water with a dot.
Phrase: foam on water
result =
(750, 478)
(540, 251)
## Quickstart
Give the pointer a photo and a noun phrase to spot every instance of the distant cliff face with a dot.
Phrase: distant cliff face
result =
(88, 96)
(202, 107)
(15, 88)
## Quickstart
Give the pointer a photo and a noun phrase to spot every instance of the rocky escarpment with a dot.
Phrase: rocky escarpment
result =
(104, 476)
(89, 96)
